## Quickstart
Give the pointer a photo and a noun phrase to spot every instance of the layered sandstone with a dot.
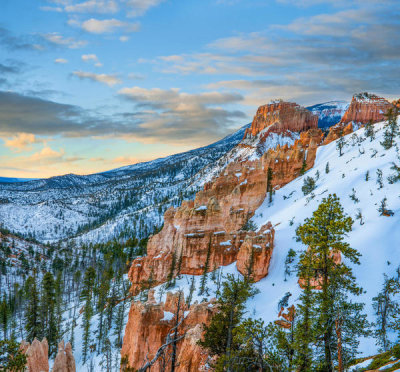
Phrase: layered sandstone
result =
(213, 221)
(282, 116)
(211, 226)
(364, 108)
(149, 324)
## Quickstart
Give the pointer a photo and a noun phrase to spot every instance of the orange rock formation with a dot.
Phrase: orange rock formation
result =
(211, 225)
(364, 107)
(147, 330)
(282, 116)
(36, 355)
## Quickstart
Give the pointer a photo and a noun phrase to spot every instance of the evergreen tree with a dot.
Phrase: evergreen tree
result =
(385, 308)
(324, 233)
(391, 129)
(203, 280)
(369, 131)
(48, 312)
(303, 167)
(327, 168)
(288, 262)
(269, 185)
(12, 359)
(308, 185)
(33, 324)
(192, 288)
(86, 295)
(218, 336)
(170, 277)
(340, 144)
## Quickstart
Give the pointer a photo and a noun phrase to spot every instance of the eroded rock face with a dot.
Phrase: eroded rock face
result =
(282, 116)
(36, 355)
(364, 107)
(212, 226)
(148, 326)
(65, 361)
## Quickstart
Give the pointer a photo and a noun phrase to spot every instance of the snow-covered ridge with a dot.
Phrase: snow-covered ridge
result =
(329, 113)
(101, 206)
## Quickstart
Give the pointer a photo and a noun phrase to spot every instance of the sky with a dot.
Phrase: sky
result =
(88, 86)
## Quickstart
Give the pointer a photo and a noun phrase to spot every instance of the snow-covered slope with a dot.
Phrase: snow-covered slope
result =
(101, 206)
(330, 113)
(377, 239)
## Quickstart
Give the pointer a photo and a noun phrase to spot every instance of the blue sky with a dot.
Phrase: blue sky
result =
(91, 85)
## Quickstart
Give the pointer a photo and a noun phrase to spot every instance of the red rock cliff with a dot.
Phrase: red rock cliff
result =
(212, 225)
(282, 116)
(364, 107)
(148, 327)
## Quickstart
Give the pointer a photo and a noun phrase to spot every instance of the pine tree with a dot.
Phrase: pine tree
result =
(327, 168)
(48, 312)
(218, 336)
(303, 167)
(170, 277)
(192, 288)
(340, 144)
(203, 280)
(288, 262)
(385, 307)
(86, 295)
(269, 185)
(391, 128)
(33, 324)
(308, 185)
(4, 316)
(324, 234)
(369, 131)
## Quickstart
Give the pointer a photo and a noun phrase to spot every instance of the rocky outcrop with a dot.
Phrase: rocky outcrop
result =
(37, 359)
(255, 254)
(149, 324)
(212, 223)
(364, 107)
(210, 229)
(281, 116)
(65, 361)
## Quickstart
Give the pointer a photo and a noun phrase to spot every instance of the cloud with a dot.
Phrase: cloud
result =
(110, 80)
(93, 58)
(310, 59)
(57, 39)
(94, 6)
(61, 60)
(167, 116)
(97, 26)
(176, 117)
(138, 8)
(124, 38)
(21, 141)
(21, 42)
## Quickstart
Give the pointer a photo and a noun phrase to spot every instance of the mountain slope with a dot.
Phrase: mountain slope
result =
(98, 207)
(329, 113)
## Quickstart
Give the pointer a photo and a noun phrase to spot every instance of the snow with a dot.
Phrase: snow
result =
(374, 240)
(201, 208)
(360, 366)
(227, 243)
(168, 316)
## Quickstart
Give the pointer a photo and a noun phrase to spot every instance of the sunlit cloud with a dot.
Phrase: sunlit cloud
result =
(61, 60)
(104, 26)
(109, 80)
(69, 42)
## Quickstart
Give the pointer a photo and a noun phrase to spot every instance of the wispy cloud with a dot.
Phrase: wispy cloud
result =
(97, 26)
(69, 42)
(92, 58)
(61, 60)
(109, 80)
